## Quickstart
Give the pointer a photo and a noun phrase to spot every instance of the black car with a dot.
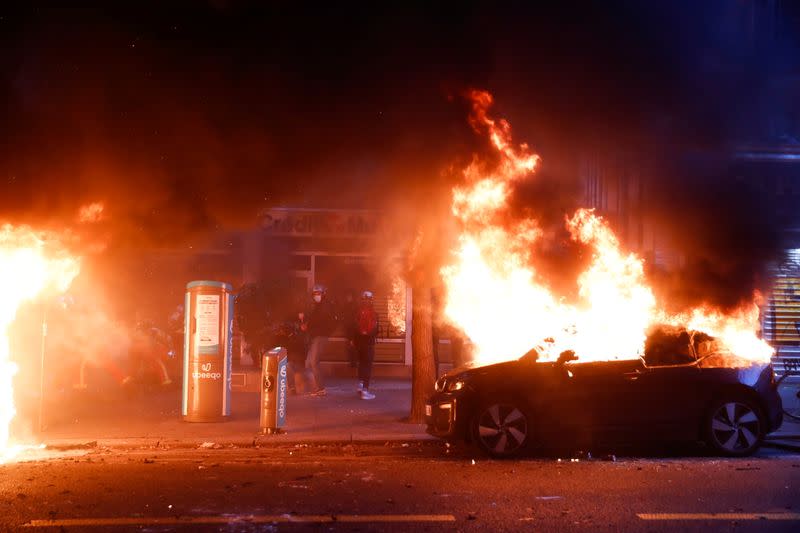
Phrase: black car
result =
(683, 389)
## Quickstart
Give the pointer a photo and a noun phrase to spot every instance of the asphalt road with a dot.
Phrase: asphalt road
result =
(394, 487)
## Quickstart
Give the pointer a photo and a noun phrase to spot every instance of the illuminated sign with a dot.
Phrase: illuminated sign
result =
(320, 223)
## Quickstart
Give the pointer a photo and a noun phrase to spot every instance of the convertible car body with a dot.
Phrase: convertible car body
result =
(674, 393)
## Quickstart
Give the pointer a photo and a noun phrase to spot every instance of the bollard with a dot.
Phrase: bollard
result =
(273, 391)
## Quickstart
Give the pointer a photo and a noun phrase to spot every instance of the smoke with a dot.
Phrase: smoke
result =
(664, 94)
(184, 122)
(187, 120)
(725, 228)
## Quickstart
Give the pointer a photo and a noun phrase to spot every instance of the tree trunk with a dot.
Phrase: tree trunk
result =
(423, 373)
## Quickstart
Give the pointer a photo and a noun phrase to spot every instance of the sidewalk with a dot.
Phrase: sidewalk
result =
(788, 436)
(154, 418)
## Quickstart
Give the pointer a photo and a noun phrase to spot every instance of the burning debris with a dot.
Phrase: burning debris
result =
(500, 292)
(31, 262)
(397, 306)
(91, 213)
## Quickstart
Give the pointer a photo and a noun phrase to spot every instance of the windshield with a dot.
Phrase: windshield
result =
(664, 346)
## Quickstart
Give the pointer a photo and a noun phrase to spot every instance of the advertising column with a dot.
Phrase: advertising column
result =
(207, 351)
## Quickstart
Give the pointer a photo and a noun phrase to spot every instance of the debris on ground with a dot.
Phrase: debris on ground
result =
(67, 447)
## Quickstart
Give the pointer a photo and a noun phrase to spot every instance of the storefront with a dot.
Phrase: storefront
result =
(347, 251)
(781, 317)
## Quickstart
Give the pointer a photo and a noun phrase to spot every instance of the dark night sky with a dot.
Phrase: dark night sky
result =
(211, 111)
(185, 116)
(198, 107)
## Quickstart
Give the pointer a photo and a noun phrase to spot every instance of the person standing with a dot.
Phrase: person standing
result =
(347, 316)
(147, 343)
(321, 323)
(365, 331)
(297, 347)
(175, 331)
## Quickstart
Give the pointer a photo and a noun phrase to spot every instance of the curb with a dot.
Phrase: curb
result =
(257, 441)
(780, 444)
(783, 436)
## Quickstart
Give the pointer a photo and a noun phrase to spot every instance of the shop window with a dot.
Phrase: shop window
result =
(351, 275)
(300, 262)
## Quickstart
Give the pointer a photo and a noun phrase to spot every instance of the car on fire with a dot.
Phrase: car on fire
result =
(684, 388)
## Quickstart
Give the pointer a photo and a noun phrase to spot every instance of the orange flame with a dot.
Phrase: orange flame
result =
(397, 306)
(30, 262)
(505, 306)
(91, 213)
(736, 331)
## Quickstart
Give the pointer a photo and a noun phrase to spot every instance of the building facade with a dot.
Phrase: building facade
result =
(347, 252)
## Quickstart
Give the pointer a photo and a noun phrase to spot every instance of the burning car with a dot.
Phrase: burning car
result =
(684, 388)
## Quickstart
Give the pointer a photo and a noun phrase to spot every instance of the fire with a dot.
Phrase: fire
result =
(507, 307)
(735, 331)
(91, 213)
(30, 263)
(397, 306)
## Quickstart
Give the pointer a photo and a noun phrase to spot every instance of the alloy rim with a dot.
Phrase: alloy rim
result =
(735, 427)
(502, 429)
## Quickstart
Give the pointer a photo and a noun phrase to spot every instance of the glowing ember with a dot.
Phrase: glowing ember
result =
(90, 213)
(30, 263)
(496, 295)
(397, 306)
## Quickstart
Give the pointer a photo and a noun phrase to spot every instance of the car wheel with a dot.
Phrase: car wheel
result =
(735, 427)
(501, 429)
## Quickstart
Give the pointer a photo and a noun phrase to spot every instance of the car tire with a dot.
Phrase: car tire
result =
(502, 428)
(735, 427)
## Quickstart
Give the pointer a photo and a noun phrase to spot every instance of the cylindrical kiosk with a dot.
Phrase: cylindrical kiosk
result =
(207, 351)
(273, 391)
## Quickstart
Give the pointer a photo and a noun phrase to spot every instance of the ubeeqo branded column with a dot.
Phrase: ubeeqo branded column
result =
(207, 351)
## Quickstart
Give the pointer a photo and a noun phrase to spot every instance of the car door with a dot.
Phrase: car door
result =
(611, 395)
(672, 402)
(557, 401)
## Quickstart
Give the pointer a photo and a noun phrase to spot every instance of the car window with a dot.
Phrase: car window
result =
(602, 368)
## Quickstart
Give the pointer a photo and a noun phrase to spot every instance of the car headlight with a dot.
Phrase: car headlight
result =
(456, 385)
(445, 384)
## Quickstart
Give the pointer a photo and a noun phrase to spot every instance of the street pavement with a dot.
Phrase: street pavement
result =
(147, 416)
(151, 416)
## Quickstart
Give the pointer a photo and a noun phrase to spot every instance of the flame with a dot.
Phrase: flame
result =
(736, 331)
(506, 307)
(397, 306)
(30, 263)
(91, 213)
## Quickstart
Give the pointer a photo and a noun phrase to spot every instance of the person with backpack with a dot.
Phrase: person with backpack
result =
(363, 340)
